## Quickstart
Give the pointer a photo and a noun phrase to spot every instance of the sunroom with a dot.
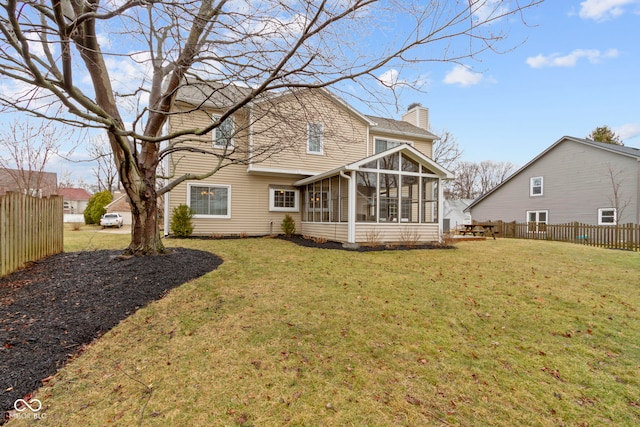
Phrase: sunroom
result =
(392, 197)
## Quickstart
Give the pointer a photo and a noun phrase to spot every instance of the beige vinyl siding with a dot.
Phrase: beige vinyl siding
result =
(249, 210)
(392, 233)
(186, 119)
(344, 133)
(337, 231)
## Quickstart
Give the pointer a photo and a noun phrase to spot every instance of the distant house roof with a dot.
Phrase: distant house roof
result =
(74, 194)
(16, 180)
(614, 148)
(399, 127)
(120, 203)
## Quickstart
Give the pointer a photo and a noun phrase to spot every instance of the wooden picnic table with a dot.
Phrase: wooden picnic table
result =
(478, 229)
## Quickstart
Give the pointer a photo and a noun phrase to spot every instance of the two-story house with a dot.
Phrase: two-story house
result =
(572, 180)
(342, 175)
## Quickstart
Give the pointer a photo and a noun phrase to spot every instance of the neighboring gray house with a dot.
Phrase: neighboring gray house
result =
(572, 180)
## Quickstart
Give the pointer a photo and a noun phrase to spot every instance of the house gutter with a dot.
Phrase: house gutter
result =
(351, 223)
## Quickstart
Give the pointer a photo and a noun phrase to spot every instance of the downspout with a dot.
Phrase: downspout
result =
(440, 209)
(351, 214)
(368, 141)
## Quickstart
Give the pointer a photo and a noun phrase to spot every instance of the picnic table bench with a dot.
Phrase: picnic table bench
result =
(478, 230)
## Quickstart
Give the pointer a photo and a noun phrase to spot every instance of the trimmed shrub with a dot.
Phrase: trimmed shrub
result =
(288, 226)
(181, 221)
(95, 207)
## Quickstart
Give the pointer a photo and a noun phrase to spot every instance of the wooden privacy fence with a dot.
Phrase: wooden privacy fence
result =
(625, 236)
(30, 229)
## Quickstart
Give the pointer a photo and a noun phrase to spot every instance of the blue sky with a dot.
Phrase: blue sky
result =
(578, 68)
(575, 66)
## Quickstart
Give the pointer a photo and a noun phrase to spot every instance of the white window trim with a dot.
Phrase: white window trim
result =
(272, 200)
(215, 132)
(207, 184)
(546, 211)
(615, 216)
(399, 141)
(531, 186)
(321, 152)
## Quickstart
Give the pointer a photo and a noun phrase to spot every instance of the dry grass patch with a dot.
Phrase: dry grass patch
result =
(496, 333)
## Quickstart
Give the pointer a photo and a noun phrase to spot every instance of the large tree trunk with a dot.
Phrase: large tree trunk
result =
(145, 229)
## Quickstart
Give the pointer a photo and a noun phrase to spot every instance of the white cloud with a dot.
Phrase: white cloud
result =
(594, 56)
(602, 10)
(463, 76)
(489, 9)
(390, 78)
(628, 131)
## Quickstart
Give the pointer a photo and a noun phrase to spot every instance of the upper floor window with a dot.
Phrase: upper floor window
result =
(607, 216)
(315, 133)
(381, 145)
(223, 134)
(535, 186)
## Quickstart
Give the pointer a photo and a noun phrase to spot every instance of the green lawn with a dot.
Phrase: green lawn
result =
(496, 333)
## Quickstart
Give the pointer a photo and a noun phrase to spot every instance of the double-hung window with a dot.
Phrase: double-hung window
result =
(315, 136)
(223, 134)
(607, 216)
(284, 199)
(210, 201)
(535, 186)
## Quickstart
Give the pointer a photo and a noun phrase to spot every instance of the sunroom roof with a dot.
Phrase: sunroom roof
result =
(405, 149)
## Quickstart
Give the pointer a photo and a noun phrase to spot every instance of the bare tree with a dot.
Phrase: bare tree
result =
(104, 171)
(465, 184)
(26, 149)
(55, 54)
(475, 179)
(492, 173)
(446, 151)
(619, 201)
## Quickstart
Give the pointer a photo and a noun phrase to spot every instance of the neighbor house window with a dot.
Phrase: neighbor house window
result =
(315, 133)
(284, 200)
(223, 134)
(381, 145)
(537, 221)
(211, 201)
(607, 216)
(535, 186)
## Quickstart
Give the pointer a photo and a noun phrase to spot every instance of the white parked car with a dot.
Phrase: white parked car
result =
(111, 220)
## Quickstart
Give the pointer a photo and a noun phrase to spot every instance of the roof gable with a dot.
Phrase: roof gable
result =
(613, 148)
(404, 148)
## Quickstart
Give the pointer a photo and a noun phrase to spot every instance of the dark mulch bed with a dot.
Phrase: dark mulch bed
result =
(49, 310)
(310, 243)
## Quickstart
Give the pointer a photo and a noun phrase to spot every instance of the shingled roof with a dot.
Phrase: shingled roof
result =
(399, 127)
